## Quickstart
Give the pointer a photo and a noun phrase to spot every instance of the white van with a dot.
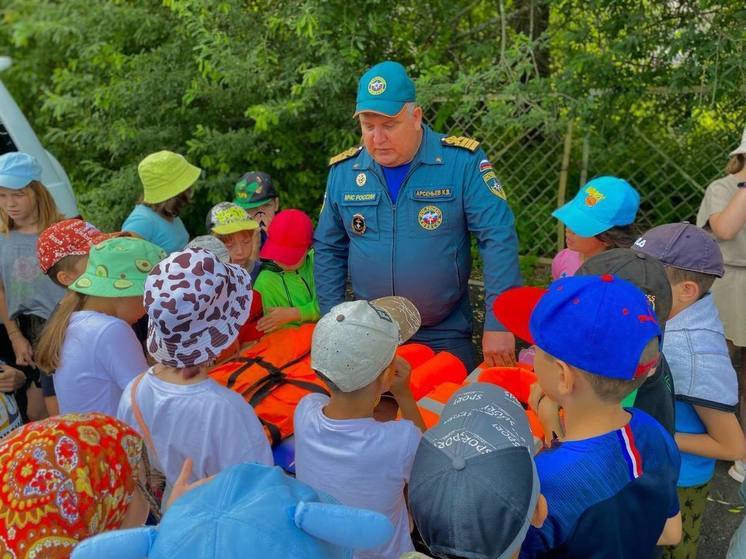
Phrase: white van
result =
(16, 134)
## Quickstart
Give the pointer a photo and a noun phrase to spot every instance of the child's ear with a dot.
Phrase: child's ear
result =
(64, 278)
(690, 291)
(566, 378)
(540, 512)
(387, 377)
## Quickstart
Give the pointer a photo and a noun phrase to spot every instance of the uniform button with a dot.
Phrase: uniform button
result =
(458, 463)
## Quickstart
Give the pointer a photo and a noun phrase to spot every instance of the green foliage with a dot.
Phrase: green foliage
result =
(270, 85)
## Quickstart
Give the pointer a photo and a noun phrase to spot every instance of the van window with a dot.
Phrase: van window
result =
(6, 142)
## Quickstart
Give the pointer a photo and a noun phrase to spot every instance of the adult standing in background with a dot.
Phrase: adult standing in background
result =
(723, 212)
(397, 215)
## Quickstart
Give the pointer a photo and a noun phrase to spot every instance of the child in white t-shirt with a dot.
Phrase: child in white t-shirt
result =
(340, 448)
(196, 306)
(89, 342)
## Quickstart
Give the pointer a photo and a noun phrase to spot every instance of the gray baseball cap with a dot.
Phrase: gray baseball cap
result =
(684, 246)
(355, 341)
(646, 272)
(474, 487)
(213, 244)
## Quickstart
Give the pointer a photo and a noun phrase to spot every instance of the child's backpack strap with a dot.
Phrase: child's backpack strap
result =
(138, 415)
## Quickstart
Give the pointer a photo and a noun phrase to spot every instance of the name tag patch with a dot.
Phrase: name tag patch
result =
(362, 197)
(433, 193)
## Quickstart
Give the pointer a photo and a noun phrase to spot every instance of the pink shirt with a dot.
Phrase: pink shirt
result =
(565, 264)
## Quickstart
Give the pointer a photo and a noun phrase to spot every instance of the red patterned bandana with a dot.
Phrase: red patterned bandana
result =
(71, 237)
(62, 480)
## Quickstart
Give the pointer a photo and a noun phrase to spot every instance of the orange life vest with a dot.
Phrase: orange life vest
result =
(516, 380)
(273, 375)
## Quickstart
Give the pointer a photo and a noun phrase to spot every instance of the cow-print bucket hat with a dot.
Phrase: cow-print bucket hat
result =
(196, 306)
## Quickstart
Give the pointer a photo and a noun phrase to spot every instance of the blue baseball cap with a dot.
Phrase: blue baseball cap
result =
(250, 511)
(601, 204)
(384, 89)
(17, 169)
(600, 324)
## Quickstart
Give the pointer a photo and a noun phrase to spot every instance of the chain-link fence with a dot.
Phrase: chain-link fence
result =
(542, 165)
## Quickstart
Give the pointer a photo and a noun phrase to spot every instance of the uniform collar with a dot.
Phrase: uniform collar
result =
(430, 152)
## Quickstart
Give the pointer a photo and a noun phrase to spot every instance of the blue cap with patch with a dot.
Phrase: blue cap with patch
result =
(384, 89)
(601, 204)
(18, 169)
(600, 324)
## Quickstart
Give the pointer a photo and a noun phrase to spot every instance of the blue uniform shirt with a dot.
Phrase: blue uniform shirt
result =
(419, 246)
(394, 178)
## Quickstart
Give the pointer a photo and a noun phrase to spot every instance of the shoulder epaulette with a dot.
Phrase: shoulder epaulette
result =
(346, 154)
(461, 142)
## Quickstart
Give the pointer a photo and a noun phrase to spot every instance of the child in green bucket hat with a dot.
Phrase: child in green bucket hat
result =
(167, 180)
(89, 341)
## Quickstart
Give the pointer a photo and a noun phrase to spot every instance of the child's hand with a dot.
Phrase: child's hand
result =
(400, 384)
(22, 349)
(547, 410)
(276, 318)
(11, 379)
(182, 485)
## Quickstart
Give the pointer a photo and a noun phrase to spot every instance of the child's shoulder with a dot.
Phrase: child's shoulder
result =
(565, 263)
(614, 455)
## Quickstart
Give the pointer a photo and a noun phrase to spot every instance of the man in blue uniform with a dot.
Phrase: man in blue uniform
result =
(397, 215)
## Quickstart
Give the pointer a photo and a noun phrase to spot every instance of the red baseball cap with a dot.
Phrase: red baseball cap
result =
(513, 309)
(289, 237)
(71, 237)
(600, 324)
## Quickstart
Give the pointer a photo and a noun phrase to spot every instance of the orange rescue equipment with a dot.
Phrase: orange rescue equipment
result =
(516, 380)
(273, 376)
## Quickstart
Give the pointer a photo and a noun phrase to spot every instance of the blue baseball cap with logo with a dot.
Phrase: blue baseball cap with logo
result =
(18, 169)
(600, 324)
(384, 89)
(601, 204)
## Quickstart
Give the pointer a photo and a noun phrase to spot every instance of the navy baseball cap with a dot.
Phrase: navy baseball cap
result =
(384, 89)
(600, 324)
(474, 486)
(643, 270)
(601, 204)
(684, 246)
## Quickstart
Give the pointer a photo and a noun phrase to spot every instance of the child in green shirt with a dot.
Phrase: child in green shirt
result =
(286, 278)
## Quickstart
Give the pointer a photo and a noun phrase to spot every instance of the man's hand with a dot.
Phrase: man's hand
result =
(22, 349)
(498, 349)
(277, 318)
(400, 384)
(11, 379)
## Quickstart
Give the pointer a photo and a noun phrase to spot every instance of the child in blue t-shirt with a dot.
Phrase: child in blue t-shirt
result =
(610, 483)
(705, 381)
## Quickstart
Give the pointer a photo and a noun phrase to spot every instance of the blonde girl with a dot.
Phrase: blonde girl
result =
(27, 295)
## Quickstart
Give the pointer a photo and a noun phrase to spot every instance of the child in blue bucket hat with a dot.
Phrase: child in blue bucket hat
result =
(248, 511)
(27, 295)
(599, 218)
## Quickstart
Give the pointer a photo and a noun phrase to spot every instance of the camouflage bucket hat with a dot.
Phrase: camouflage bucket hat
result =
(118, 267)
